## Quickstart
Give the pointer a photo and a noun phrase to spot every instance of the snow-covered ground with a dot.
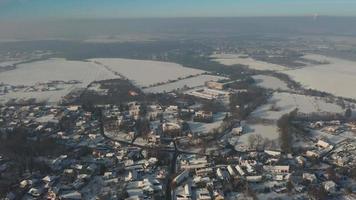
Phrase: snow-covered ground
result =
(233, 59)
(199, 127)
(29, 74)
(189, 82)
(337, 77)
(266, 131)
(282, 103)
(144, 73)
(270, 82)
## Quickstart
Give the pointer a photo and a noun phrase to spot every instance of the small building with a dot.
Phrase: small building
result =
(181, 177)
(329, 186)
(254, 179)
(215, 85)
(203, 116)
(278, 169)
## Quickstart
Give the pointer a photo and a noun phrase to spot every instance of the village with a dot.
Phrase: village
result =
(173, 150)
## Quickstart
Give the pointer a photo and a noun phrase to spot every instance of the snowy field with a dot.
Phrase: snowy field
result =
(189, 82)
(233, 59)
(266, 131)
(284, 103)
(270, 82)
(144, 73)
(49, 70)
(199, 127)
(337, 78)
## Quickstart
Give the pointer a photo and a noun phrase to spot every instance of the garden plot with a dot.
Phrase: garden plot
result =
(56, 69)
(234, 59)
(184, 83)
(270, 82)
(145, 73)
(282, 103)
(337, 77)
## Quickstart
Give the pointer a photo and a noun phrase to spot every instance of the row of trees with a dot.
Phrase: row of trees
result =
(287, 130)
(243, 103)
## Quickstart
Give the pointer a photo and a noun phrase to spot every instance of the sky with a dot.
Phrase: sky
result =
(53, 9)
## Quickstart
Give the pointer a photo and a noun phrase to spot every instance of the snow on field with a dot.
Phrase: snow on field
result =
(10, 63)
(199, 127)
(233, 59)
(44, 96)
(146, 72)
(337, 78)
(55, 69)
(189, 82)
(266, 131)
(270, 82)
(284, 103)
(50, 70)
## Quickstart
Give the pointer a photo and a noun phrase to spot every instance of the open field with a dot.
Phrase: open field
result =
(270, 82)
(266, 131)
(189, 82)
(34, 73)
(144, 73)
(337, 77)
(283, 103)
(200, 127)
(234, 59)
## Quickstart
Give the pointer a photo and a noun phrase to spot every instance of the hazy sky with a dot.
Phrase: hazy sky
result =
(28, 9)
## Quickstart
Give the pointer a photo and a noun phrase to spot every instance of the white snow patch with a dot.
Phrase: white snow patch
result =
(146, 72)
(286, 102)
(270, 82)
(337, 78)
(189, 83)
(29, 74)
(234, 59)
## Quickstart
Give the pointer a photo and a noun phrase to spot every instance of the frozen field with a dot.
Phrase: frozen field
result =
(145, 72)
(337, 78)
(189, 82)
(266, 131)
(49, 70)
(270, 82)
(284, 103)
(233, 59)
(199, 127)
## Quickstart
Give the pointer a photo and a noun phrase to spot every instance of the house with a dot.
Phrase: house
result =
(170, 128)
(329, 186)
(309, 177)
(300, 160)
(203, 194)
(181, 177)
(323, 144)
(134, 109)
(231, 171)
(312, 154)
(278, 169)
(237, 130)
(254, 179)
(222, 174)
(184, 193)
(273, 153)
(203, 116)
(239, 170)
(215, 85)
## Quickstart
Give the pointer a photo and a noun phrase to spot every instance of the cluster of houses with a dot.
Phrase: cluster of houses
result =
(39, 87)
(141, 150)
(91, 167)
